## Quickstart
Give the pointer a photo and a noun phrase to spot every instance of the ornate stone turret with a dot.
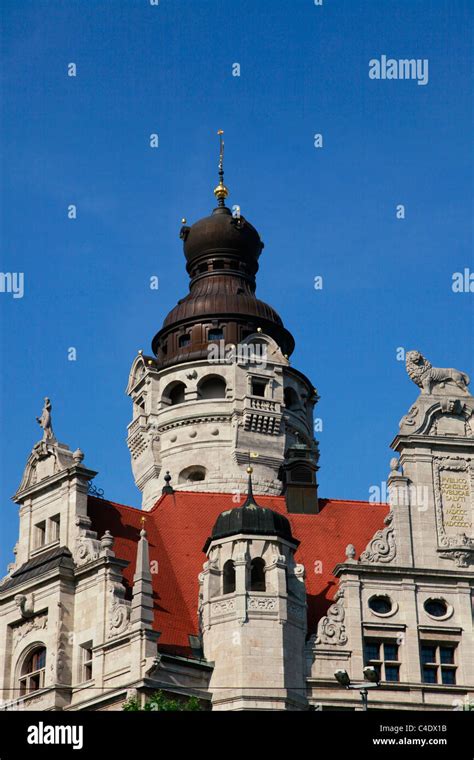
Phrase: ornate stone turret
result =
(219, 383)
(436, 447)
(253, 611)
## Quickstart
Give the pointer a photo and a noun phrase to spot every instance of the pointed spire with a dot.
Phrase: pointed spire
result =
(250, 500)
(142, 593)
(221, 192)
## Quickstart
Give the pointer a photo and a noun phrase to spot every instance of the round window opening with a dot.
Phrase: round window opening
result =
(436, 607)
(381, 605)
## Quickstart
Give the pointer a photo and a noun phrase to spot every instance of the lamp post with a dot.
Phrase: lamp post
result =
(371, 682)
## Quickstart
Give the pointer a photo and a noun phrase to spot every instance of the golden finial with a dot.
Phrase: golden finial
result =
(221, 192)
(143, 521)
(183, 220)
(249, 470)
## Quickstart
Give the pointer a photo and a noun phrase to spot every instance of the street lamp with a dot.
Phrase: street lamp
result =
(371, 682)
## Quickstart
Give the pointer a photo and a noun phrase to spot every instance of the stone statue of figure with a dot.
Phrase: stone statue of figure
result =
(45, 421)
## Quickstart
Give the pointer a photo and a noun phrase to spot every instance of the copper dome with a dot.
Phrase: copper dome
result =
(221, 233)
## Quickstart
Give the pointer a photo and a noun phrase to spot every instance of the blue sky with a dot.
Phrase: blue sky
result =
(167, 69)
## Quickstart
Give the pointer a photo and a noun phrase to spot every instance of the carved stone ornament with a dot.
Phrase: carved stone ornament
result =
(58, 654)
(88, 547)
(38, 623)
(454, 508)
(262, 603)
(47, 458)
(430, 378)
(410, 418)
(119, 611)
(331, 629)
(223, 607)
(25, 604)
(382, 547)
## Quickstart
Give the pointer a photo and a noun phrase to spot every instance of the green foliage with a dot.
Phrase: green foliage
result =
(160, 702)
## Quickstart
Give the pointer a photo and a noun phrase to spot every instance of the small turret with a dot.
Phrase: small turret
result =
(253, 611)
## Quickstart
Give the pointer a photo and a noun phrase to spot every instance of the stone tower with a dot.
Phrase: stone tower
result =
(219, 384)
(252, 611)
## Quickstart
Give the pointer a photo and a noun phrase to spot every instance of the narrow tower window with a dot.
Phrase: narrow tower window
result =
(40, 534)
(229, 577)
(86, 661)
(257, 574)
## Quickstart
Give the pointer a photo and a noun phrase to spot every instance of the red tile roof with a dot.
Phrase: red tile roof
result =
(178, 525)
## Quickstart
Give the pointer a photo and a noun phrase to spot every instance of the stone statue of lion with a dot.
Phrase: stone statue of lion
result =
(425, 376)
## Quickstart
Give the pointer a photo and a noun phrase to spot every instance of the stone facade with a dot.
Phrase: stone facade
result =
(81, 611)
(424, 554)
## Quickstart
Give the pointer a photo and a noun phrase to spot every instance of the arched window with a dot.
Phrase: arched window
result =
(192, 474)
(212, 386)
(174, 393)
(291, 399)
(257, 574)
(32, 671)
(229, 577)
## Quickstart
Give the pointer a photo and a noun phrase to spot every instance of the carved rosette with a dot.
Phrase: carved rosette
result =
(331, 629)
(119, 611)
(382, 547)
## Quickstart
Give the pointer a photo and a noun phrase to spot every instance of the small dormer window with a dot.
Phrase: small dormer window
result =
(184, 340)
(216, 333)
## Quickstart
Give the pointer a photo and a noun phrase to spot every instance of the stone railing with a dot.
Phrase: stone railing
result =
(264, 405)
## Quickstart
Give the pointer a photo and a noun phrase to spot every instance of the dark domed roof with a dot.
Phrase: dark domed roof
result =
(222, 233)
(253, 520)
(217, 298)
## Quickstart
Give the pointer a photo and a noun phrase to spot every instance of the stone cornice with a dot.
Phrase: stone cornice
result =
(194, 419)
(433, 441)
(67, 474)
(352, 568)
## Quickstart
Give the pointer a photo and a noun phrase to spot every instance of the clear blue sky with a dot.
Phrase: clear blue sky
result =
(329, 212)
